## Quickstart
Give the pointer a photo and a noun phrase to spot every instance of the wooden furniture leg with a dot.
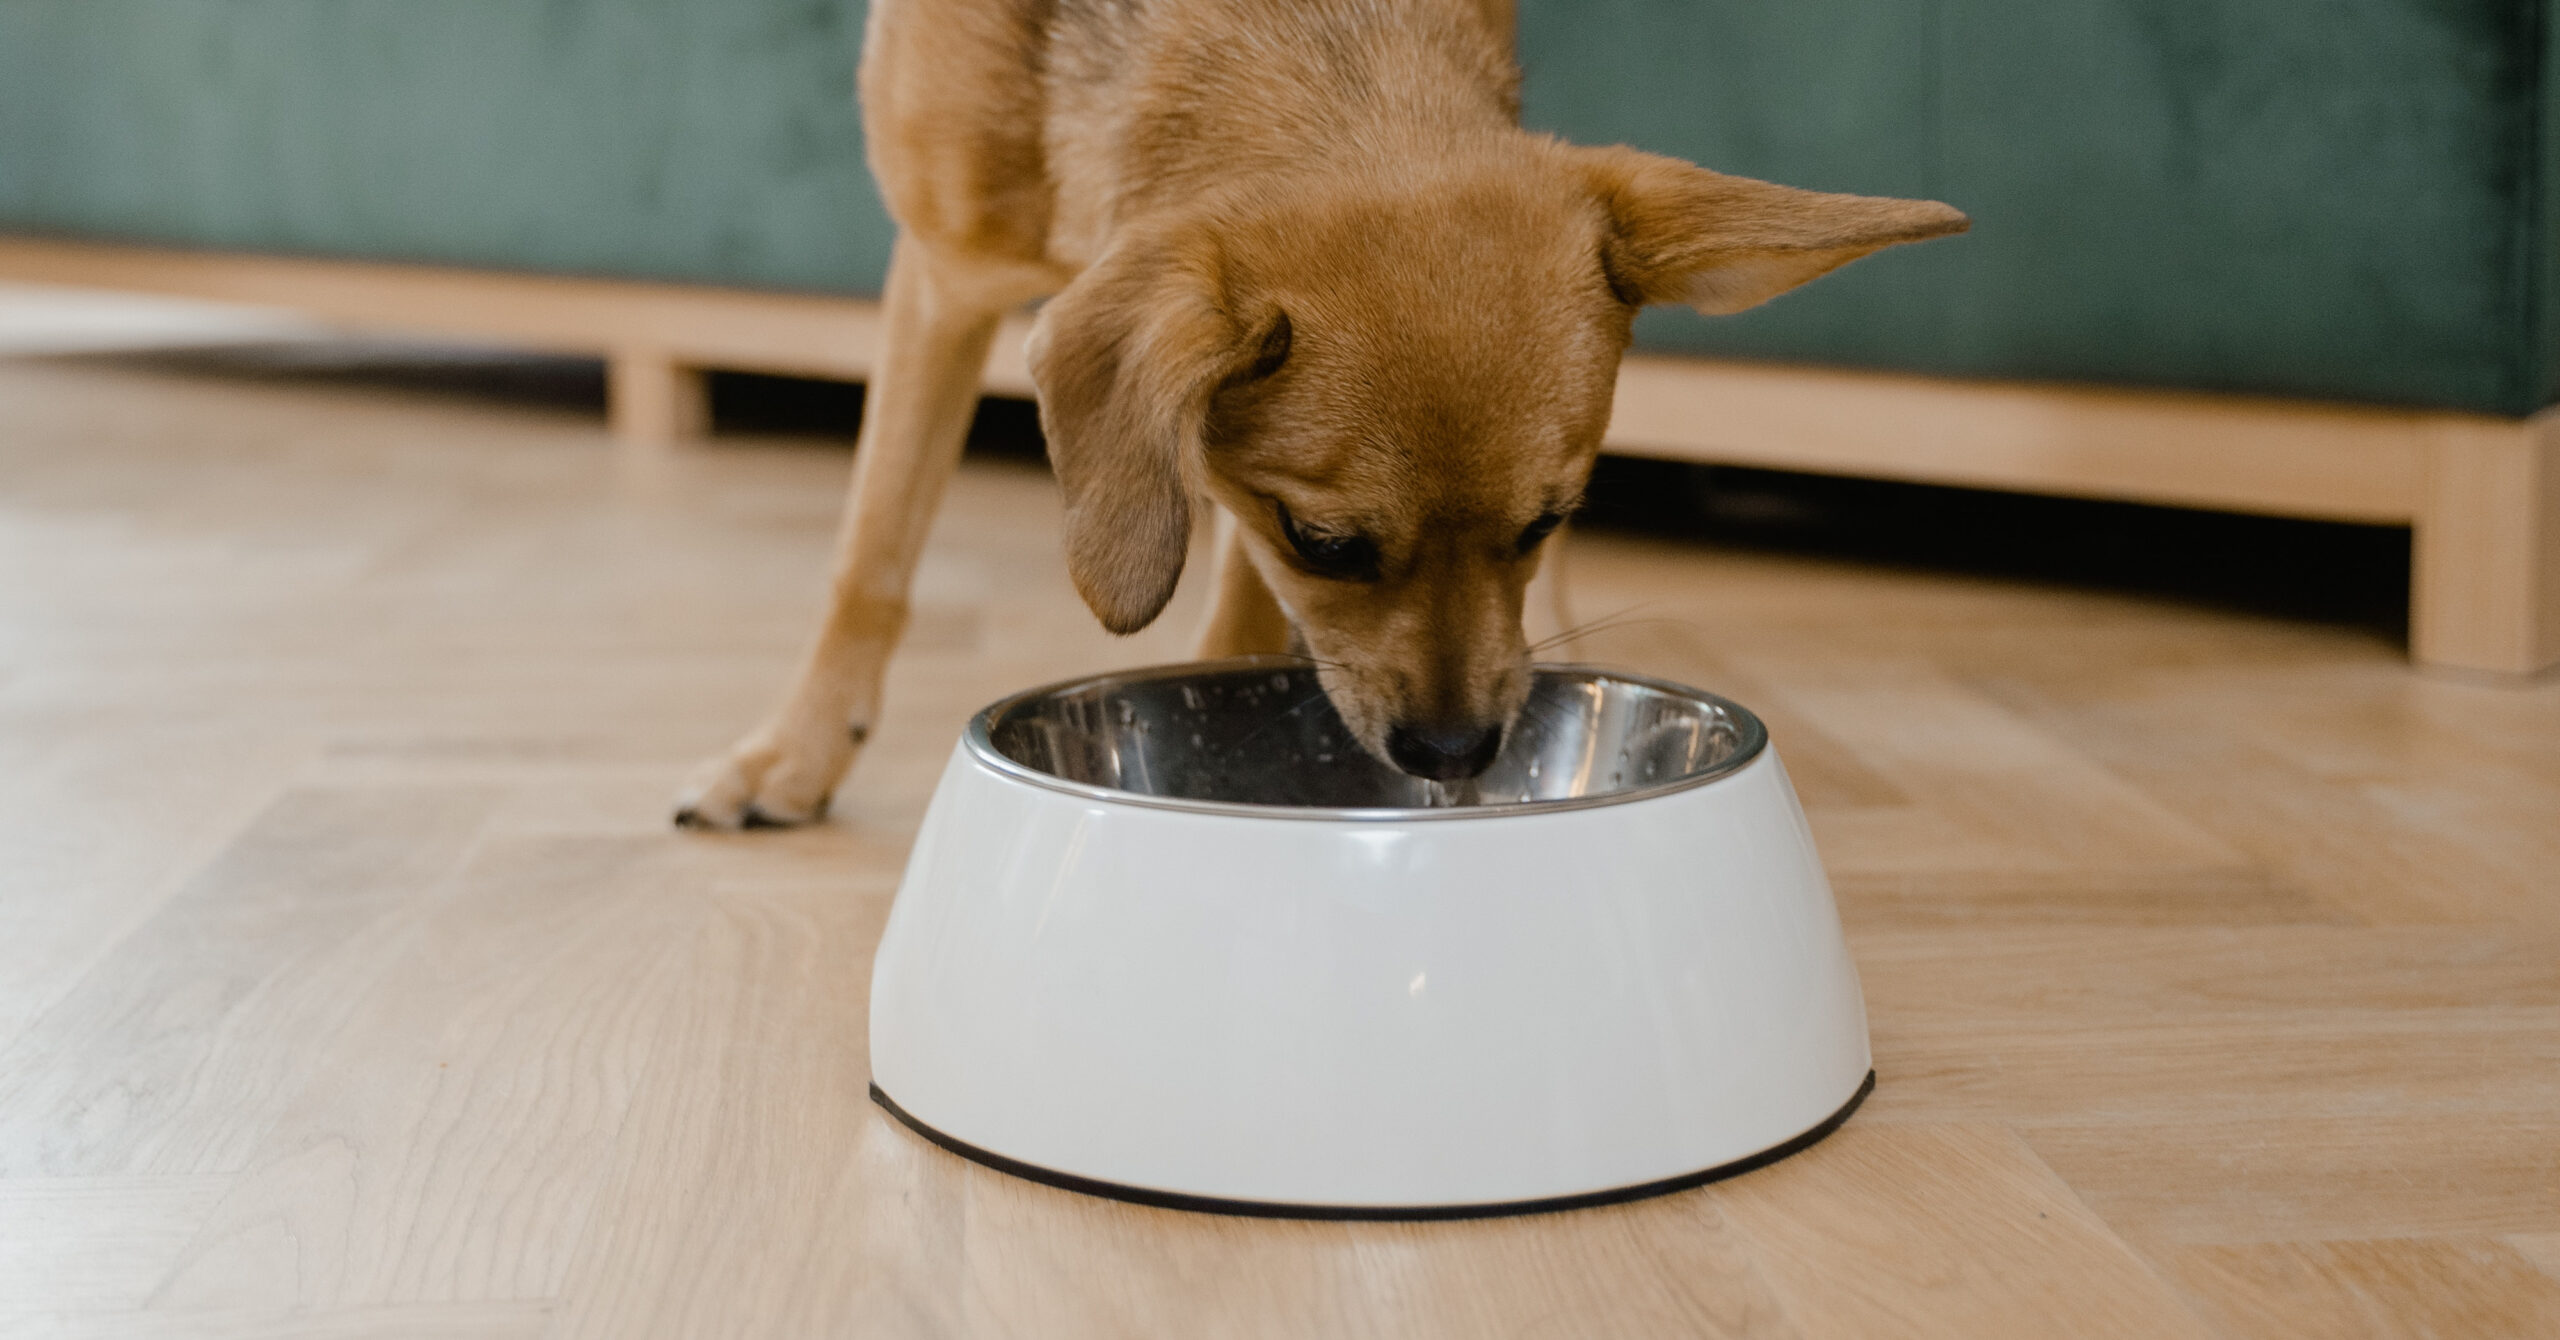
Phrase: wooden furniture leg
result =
(2485, 593)
(653, 399)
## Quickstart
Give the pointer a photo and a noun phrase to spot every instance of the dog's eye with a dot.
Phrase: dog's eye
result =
(1539, 530)
(1349, 558)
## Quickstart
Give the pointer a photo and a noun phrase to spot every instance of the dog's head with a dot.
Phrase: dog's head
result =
(1397, 386)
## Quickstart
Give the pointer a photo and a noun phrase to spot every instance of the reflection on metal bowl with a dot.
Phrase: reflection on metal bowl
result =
(1262, 733)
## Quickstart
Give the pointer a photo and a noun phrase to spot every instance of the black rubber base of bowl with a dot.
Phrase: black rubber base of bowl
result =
(1264, 1209)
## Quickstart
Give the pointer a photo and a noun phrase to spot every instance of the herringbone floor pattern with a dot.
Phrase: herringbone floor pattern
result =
(352, 982)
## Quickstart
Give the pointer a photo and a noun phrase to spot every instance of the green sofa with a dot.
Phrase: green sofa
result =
(2334, 198)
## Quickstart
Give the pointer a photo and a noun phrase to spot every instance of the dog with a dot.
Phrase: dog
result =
(1305, 273)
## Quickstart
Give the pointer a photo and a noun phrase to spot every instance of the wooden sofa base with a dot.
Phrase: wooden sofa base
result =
(2481, 494)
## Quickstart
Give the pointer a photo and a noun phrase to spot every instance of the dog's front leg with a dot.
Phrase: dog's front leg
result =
(1245, 619)
(916, 414)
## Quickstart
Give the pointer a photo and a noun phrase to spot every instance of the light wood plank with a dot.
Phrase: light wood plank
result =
(80, 877)
(2473, 1288)
(2374, 847)
(432, 1321)
(1934, 738)
(2481, 1063)
(2295, 458)
(1881, 901)
(169, 1056)
(733, 1206)
(452, 1145)
(1043, 1261)
(2543, 1249)
(1942, 1231)
(2160, 1027)
(2141, 977)
(94, 1243)
(2240, 1178)
(807, 334)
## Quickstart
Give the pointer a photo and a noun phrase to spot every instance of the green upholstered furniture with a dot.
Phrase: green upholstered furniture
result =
(705, 140)
(2350, 201)
(2337, 198)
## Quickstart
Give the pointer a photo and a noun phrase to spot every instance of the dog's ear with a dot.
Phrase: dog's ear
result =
(1126, 358)
(1679, 233)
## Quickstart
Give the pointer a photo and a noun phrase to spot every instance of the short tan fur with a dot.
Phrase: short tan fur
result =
(1304, 269)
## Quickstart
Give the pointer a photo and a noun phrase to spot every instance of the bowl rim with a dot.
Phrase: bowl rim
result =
(979, 740)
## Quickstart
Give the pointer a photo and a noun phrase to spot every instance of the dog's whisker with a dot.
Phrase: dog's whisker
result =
(1625, 618)
(1598, 629)
(1589, 626)
(1311, 660)
(1551, 715)
(1605, 624)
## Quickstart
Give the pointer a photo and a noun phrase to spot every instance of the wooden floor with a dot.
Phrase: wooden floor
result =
(352, 982)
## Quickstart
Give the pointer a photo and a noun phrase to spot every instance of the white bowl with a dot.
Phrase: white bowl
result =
(1172, 936)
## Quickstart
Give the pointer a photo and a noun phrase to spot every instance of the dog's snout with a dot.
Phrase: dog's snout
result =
(1441, 753)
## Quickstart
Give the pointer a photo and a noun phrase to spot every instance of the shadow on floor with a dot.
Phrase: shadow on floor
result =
(2322, 572)
(2316, 571)
(425, 368)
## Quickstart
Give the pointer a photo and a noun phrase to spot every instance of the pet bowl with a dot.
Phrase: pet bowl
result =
(1173, 936)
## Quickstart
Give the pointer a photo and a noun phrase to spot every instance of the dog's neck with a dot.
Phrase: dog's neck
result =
(1160, 104)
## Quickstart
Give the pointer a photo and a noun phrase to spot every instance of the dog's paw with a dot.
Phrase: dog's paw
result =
(770, 780)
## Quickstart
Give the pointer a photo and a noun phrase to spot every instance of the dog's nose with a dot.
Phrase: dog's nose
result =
(1444, 754)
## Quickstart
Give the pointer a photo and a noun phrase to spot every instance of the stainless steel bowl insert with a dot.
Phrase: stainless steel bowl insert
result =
(1258, 736)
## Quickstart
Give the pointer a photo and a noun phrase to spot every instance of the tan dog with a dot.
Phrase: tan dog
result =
(1307, 268)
